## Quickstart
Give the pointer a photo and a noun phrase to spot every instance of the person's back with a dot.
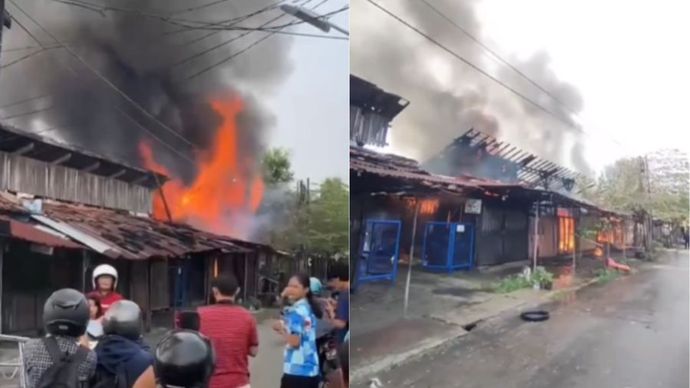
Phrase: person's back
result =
(123, 359)
(37, 359)
(232, 332)
(59, 360)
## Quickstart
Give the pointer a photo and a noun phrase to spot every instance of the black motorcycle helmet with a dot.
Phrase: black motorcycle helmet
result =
(184, 358)
(66, 313)
(123, 318)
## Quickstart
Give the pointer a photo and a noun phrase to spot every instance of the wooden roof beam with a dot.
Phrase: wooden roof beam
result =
(91, 167)
(62, 159)
(118, 174)
(24, 149)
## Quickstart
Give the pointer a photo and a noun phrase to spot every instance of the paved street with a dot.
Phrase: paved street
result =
(632, 333)
(267, 367)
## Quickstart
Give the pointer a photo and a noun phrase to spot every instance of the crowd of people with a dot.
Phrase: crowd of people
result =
(96, 339)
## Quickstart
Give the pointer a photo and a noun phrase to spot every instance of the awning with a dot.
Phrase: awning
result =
(34, 234)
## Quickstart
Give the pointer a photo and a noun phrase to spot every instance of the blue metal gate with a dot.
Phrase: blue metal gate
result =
(448, 246)
(380, 251)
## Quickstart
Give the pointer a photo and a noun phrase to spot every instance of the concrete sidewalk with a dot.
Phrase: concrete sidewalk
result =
(442, 308)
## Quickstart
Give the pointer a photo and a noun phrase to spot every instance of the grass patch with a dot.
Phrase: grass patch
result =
(540, 277)
(606, 275)
(512, 283)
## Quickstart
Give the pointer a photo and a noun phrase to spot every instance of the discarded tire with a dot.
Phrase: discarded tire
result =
(535, 316)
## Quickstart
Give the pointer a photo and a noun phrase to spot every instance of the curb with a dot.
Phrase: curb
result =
(425, 347)
(384, 364)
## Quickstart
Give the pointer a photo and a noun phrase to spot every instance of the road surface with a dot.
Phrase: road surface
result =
(630, 333)
(267, 368)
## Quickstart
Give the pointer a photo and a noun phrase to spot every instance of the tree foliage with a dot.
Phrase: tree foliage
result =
(626, 186)
(320, 226)
(277, 168)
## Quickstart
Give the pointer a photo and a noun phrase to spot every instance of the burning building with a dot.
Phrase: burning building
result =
(371, 111)
(64, 210)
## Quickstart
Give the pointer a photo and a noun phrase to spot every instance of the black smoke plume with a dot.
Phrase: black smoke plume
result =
(447, 98)
(150, 60)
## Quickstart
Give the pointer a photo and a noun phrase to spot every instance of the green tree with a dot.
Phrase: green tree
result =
(624, 186)
(277, 168)
(327, 219)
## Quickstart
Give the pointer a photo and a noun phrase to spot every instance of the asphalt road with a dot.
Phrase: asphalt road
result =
(629, 333)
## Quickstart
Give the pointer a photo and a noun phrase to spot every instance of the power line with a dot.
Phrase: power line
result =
(221, 44)
(27, 113)
(154, 136)
(25, 57)
(235, 20)
(25, 100)
(495, 55)
(104, 79)
(472, 65)
(231, 57)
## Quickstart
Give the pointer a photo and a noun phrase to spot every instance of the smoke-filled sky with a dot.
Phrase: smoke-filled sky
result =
(151, 61)
(615, 64)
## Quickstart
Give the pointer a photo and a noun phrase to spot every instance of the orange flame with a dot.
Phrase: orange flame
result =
(222, 193)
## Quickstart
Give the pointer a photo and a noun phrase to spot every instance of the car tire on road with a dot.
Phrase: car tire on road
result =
(535, 316)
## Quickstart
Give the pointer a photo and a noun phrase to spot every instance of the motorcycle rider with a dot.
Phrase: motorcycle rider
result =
(104, 279)
(123, 358)
(65, 315)
(184, 359)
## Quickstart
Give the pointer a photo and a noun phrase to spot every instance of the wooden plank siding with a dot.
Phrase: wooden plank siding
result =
(21, 174)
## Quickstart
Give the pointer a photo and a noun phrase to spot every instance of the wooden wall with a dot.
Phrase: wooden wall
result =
(39, 178)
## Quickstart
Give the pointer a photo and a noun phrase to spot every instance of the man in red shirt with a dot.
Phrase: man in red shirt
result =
(232, 331)
(104, 280)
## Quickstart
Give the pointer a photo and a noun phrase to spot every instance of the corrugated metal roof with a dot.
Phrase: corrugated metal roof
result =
(389, 165)
(120, 234)
(27, 232)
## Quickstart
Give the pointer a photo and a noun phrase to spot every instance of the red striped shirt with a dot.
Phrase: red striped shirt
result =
(232, 331)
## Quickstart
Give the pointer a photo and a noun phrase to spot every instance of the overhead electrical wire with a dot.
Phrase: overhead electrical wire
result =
(23, 58)
(462, 59)
(234, 55)
(197, 25)
(226, 42)
(508, 64)
(104, 79)
(497, 56)
(25, 100)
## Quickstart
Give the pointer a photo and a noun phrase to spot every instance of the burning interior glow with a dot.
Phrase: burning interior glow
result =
(224, 192)
(428, 206)
(566, 234)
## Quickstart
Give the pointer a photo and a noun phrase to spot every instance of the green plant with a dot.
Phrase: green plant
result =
(512, 283)
(606, 275)
(542, 277)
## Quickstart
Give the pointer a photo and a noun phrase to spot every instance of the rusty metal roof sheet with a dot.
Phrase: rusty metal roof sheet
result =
(122, 235)
(31, 233)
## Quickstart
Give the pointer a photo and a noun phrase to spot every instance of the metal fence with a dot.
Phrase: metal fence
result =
(11, 361)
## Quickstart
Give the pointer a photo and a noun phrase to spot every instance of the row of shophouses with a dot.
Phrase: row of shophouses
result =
(64, 210)
(479, 202)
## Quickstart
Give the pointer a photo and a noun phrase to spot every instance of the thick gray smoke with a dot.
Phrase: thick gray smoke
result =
(447, 97)
(150, 60)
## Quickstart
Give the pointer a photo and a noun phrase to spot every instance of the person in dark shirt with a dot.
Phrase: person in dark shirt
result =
(65, 316)
(121, 352)
(339, 281)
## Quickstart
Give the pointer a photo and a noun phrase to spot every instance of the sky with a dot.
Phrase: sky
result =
(312, 107)
(625, 58)
(307, 99)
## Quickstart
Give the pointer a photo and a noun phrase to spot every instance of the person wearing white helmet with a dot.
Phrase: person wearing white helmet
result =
(104, 279)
